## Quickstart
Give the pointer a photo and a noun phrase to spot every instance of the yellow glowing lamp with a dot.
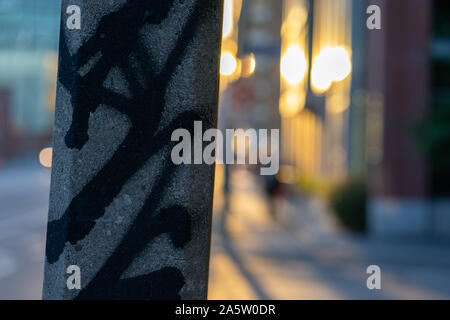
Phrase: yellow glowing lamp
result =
(291, 103)
(330, 65)
(293, 65)
(227, 19)
(45, 157)
(248, 65)
(342, 66)
(228, 64)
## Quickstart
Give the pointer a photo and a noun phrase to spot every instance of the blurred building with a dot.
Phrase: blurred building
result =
(259, 26)
(350, 102)
(28, 62)
(249, 94)
(372, 105)
(316, 85)
(407, 85)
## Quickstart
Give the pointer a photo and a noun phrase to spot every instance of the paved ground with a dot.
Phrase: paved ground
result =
(23, 217)
(304, 256)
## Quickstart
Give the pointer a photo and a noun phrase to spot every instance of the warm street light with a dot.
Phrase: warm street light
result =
(45, 157)
(331, 65)
(293, 65)
(227, 19)
(228, 64)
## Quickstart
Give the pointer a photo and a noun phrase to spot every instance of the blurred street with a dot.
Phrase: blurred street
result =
(301, 256)
(255, 258)
(359, 122)
(24, 192)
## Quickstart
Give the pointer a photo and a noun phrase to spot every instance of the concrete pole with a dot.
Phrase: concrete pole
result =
(125, 222)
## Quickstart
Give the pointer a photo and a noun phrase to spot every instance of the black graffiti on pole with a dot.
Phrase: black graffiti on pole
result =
(117, 44)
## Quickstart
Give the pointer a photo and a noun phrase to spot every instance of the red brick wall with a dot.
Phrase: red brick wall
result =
(399, 68)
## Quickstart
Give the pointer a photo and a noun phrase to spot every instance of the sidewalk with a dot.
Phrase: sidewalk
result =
(23, 218)
(306, 256)
(303, 257)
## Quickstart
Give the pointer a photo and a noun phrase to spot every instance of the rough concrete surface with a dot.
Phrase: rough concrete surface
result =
(137, 225)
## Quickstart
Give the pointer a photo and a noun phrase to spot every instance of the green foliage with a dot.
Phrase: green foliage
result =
(348, 202)
(313, 186)
(434, 138)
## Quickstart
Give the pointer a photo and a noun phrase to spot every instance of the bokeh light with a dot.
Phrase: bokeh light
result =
(293, 65)
(45, 157)
(330, 65)
(291, 102)
(227, 18)
(248, 65)
(228, 64)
